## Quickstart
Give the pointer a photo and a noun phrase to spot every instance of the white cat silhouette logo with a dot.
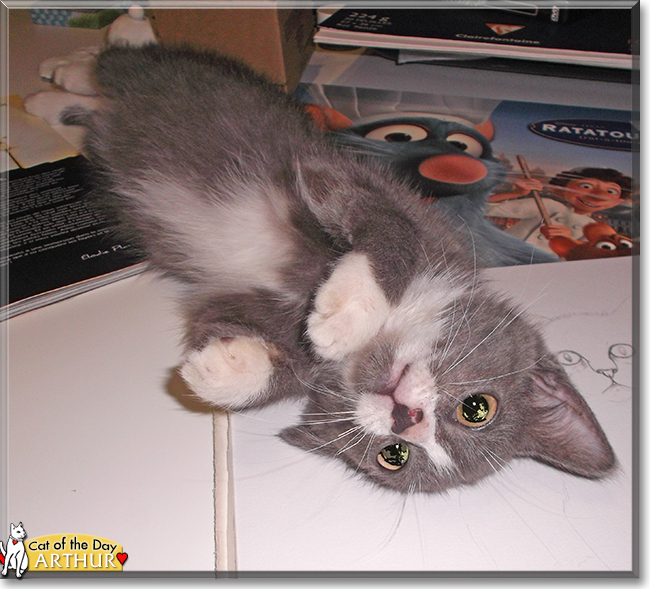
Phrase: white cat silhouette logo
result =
(14, 557)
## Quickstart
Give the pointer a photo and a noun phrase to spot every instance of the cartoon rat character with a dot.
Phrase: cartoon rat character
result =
(602, 242)
(450, 163)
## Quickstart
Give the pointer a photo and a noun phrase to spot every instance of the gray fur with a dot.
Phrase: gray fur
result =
(196, 155)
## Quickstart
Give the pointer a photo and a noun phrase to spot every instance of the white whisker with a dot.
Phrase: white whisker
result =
(331, 413)
(320, 388)
(490, 378)
(336, 439)
(325, 421)
(365, 452)
(496, 457)
(352, 443)
(493, 331)
(489, 459)
(445, 392)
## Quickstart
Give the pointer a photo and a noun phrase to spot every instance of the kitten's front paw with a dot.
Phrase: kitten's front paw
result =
(349, 309)
(229, 372)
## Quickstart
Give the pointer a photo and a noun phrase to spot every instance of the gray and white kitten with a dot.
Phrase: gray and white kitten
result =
(311, 274)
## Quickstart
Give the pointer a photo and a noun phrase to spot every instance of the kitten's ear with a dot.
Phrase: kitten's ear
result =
(561, 429)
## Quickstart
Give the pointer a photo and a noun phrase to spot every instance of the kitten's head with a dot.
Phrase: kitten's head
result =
(446, 397)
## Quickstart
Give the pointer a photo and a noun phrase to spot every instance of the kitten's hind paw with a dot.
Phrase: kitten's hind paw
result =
(230, 372)
(52, 105)
(349, 309)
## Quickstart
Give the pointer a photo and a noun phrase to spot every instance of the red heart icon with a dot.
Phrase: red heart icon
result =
(122, 556)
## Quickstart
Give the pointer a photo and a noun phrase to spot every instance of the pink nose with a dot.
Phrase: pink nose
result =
(453, 169)
(403, 417)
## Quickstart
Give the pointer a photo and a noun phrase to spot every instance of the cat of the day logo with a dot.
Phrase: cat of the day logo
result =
(14, 556)
(60, 552)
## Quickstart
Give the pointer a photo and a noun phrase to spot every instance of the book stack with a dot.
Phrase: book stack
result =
(57, 244)
(588, 37)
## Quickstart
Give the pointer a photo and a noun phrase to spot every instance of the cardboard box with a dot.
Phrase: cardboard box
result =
(276, 42)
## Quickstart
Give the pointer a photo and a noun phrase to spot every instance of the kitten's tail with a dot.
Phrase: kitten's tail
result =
(76, 115)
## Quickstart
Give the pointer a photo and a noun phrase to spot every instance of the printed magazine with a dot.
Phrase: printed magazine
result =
(558, 178)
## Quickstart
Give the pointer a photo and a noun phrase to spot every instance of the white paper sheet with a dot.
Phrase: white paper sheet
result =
(101, 438)
(301, 512)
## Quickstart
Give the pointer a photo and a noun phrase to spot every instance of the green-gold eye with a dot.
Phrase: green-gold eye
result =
(476, 410)
(393, 457)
